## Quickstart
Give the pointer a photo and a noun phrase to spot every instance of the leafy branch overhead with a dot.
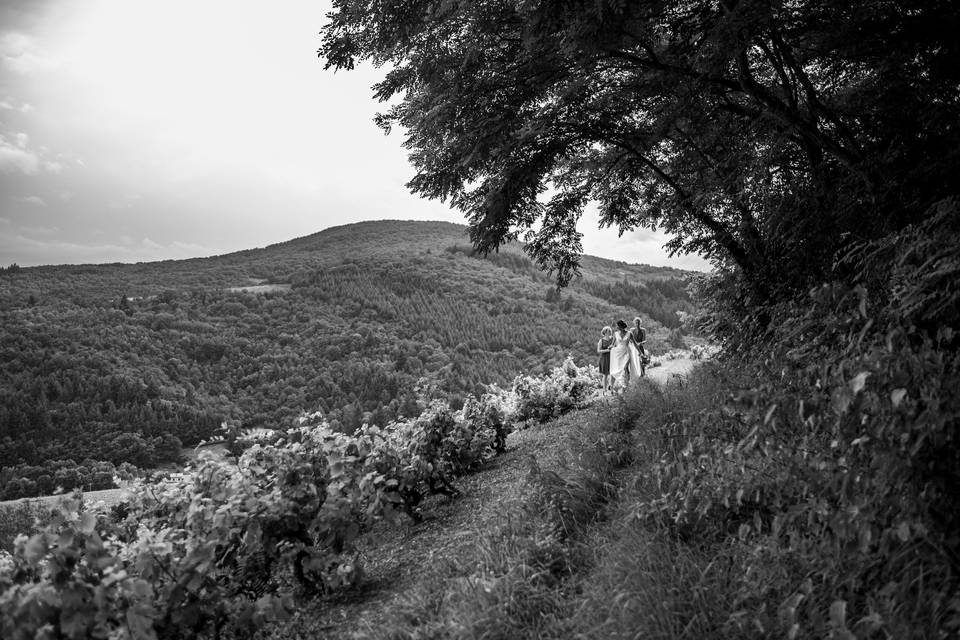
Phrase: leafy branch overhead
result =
(764, 135)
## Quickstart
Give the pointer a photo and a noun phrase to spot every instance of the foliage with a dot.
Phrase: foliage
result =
(222, 547)
(831, 451)
(766, 136)
(16, 518)
(662, 300)
(130, 363)
(52, 476)
(564, 389)
(803, 485)
(516, 577)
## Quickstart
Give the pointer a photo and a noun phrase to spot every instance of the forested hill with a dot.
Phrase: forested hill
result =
(105, 364)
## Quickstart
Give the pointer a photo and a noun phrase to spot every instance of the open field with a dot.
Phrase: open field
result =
(261, 288)
(109, 497)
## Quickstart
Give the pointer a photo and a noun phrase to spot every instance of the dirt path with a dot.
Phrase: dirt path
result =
(109, 497)
(671, 368)
(398, 557)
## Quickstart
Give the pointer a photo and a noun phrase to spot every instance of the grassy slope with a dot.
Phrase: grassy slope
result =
(495, 561)
(595, 545)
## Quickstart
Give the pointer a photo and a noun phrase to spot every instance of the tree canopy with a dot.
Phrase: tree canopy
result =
(763, 134)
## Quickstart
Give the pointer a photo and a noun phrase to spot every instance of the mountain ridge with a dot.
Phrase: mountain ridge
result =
(303, 243)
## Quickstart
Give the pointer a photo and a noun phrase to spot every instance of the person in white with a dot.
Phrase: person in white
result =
(620, 353)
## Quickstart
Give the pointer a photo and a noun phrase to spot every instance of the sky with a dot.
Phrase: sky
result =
(135, 130)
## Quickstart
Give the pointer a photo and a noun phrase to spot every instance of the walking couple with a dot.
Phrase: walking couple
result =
(622, 354)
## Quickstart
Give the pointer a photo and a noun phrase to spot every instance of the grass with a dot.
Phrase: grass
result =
(570, 559)
(579, 552)
(520, 579)
(576, 561)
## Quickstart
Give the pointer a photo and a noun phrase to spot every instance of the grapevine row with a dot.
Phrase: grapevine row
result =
(226, 546)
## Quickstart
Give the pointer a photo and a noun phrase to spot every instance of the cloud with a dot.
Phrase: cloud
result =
(72, 249)
(34, 200)
(16, 156)
(21, 54)
(8, 104)
(643, 234)
(28, 247)
(125, 202)
(188, 249)
(42, 231)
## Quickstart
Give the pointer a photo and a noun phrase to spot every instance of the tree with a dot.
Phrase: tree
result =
(764, 134)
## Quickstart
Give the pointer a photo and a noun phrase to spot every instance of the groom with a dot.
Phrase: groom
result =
(639, 335)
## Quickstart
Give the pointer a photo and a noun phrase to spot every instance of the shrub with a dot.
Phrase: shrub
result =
(833, 454)
(565, 388)
(17, 518)
(222, 547)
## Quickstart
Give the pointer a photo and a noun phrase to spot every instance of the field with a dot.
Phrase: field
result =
(108, 497)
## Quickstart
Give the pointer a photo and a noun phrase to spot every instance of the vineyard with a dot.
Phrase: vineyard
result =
(231, 545)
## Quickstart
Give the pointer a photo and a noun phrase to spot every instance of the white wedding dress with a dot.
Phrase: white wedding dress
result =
(620, 355)
(634, 361)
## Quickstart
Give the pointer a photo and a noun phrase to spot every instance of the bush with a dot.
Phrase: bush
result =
(565, 388)
(833, 452)
(221, 548)
(18, 518)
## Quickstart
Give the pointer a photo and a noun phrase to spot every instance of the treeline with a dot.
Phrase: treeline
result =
(659, 298)
(24, 480)
(95, 370)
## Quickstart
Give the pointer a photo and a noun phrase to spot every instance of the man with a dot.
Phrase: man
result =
(639, 336)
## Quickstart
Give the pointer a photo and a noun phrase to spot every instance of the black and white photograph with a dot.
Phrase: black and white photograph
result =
(479, 319)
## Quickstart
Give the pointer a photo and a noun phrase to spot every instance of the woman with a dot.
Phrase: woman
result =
(603, 348)
(620, 353)
(638, 336)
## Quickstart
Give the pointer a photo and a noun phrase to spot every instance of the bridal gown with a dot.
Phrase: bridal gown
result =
(620, 355)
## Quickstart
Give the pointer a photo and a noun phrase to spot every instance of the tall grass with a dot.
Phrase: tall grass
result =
(666, 521)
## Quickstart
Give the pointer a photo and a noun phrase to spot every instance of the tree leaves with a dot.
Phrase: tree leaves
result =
(858, 382)
(738, 128)
(897, 396)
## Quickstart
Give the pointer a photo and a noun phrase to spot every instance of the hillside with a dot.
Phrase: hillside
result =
(111, 364)
(465, 541)
(493, 538)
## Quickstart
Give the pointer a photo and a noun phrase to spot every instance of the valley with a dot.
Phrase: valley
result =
(113, 365)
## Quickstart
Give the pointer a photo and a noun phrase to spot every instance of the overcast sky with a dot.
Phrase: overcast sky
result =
(134, 130)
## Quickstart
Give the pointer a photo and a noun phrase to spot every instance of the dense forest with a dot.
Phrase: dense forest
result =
(109, 365)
